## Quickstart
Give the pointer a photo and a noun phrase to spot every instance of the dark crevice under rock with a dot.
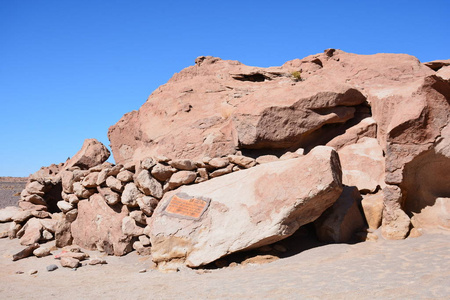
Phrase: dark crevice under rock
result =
(52, 197)
(256, 77)
(305, 238)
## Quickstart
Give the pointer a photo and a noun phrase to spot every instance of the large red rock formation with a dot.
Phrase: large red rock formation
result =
(218, 107)
(387, 116)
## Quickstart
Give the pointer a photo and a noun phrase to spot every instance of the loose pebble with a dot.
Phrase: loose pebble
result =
(51, 268)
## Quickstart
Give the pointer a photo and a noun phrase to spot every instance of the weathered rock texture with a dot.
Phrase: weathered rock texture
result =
(106, 207)
(91, 154)
(98, 226)
(387, 116)
(342, 220)
(248, 209)
(218, 107)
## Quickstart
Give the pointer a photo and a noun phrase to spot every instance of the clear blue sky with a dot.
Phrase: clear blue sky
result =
(71, 69)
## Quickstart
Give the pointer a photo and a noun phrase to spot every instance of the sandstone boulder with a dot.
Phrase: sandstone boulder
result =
(183, 164)
(396, 223)
(7, 213)
(149, 185)
(92, 153)
(115, 184)
(4, 229)
(180, 178)
(125, 176)
(35, 187)
(162, 172)
(130, 228)
(65, 206)
(25, 252)
(71, 215)
(436, 65)
(342, 220)
(147, 205)
(444, 73)
(46, 235)
(263, 159)
(99, 226)
(219, 172)
(69, 262)
(436, 216)
(372, 206)
(63, 234)
(147, 163)
(22, 216)
(243, 210)
(41, 252)
(25, 205)
(32, 232)
(130, 195)
(81, 192)
(242, 161)
(219, 162)
(111, 197)
(139, 217)
(104, 173)
(366, 128)
(49, 224)
(35, 199)
(90, 181)
(363, 165)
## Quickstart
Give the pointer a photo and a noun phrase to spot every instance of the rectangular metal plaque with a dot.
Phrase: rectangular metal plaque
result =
(184, 206)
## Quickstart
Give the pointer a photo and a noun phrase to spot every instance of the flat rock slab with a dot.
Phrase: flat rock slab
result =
(99, 226)
(195, 225)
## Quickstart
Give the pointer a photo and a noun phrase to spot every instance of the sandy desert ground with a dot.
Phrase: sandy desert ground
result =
(10, 188)
(415, 268)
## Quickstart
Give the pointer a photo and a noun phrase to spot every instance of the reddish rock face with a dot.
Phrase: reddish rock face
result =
(387, 116)
(217, 107)
(99, 226)
(91, 154)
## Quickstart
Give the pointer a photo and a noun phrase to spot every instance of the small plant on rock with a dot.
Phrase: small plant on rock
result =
(297, 75)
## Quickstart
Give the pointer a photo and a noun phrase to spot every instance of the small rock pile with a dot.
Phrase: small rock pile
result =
(69, 257)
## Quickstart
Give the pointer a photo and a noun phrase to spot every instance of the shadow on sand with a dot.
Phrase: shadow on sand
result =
(303, 239)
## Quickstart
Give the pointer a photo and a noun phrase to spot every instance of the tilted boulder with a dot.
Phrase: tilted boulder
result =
(33, 229)
(91, 154)
(243, 210)
(342, 220)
